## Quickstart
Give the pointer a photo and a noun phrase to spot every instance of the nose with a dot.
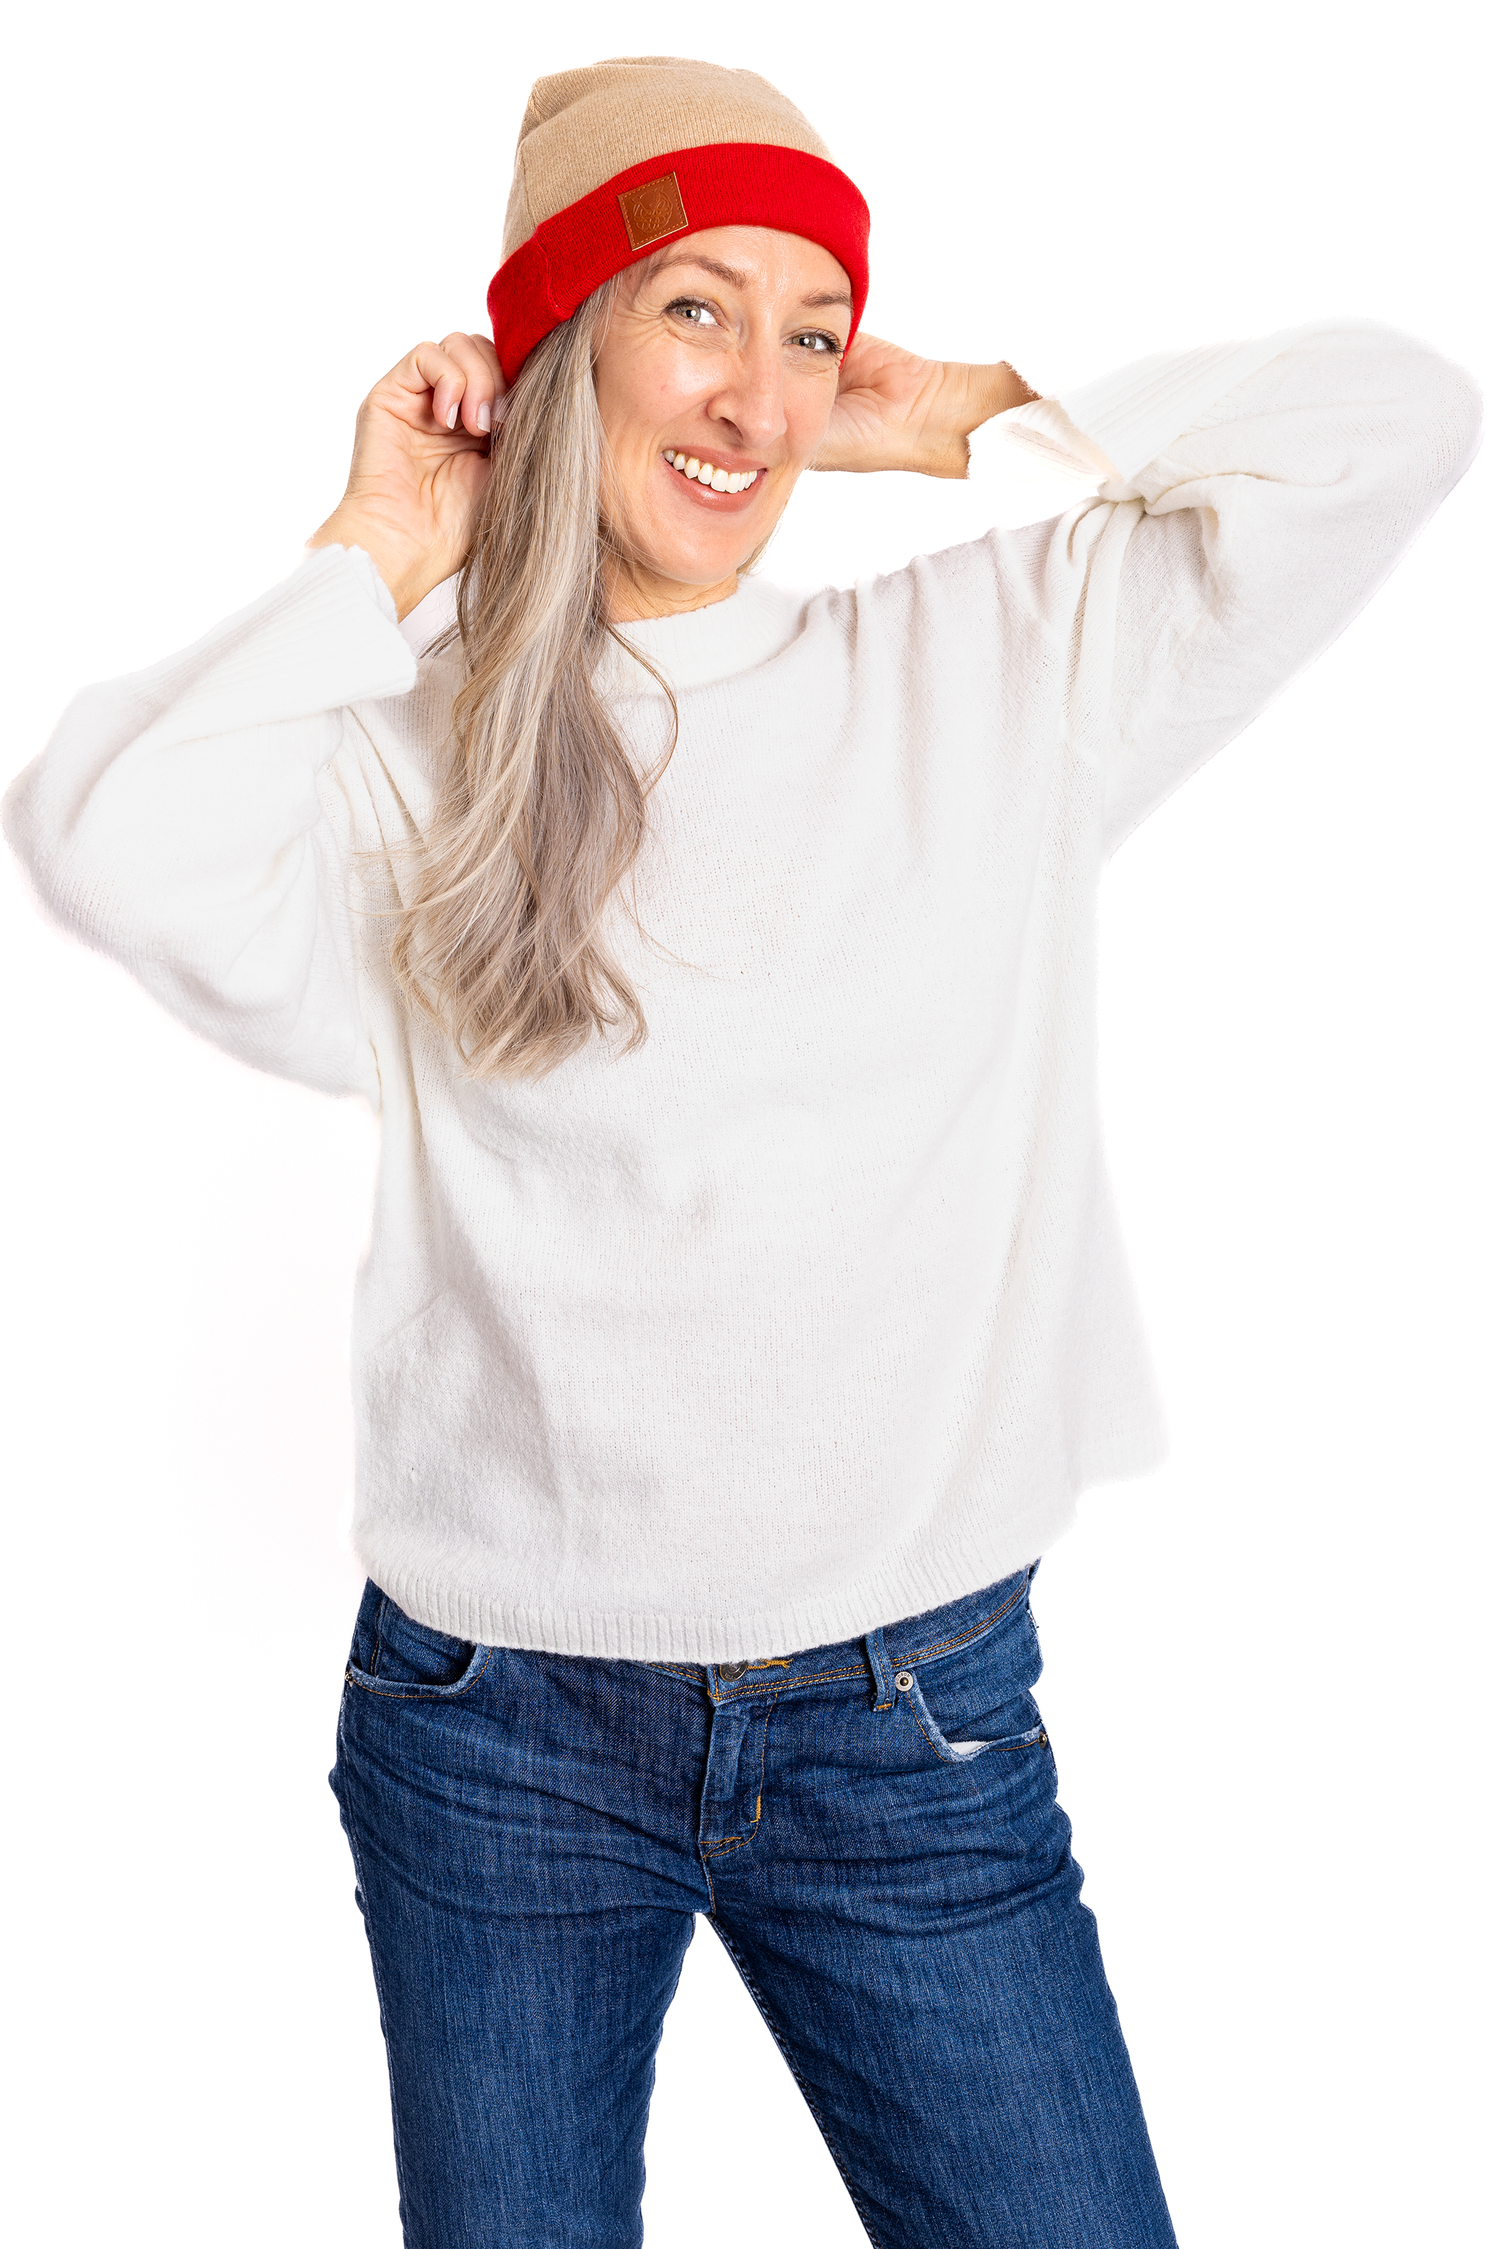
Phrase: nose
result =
(753, 401)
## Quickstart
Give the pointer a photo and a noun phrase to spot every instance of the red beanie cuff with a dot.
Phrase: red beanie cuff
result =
(731, 183)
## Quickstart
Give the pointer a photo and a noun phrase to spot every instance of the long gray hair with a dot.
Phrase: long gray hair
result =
(542, 811)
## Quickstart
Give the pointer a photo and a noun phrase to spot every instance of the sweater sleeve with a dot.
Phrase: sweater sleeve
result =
(188, 820)
(1248, 499)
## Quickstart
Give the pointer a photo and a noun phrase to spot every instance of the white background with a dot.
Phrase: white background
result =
(1267, 1664)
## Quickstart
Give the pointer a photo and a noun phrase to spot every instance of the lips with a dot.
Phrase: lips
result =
(713, 476)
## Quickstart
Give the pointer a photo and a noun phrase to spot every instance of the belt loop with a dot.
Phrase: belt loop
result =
(880, 1670)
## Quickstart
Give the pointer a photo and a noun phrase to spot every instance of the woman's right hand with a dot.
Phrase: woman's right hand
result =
(421, 461)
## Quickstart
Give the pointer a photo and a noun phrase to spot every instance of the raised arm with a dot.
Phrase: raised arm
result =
(1250, 499)
(197, 822)
(188, 821)
(1239, 504)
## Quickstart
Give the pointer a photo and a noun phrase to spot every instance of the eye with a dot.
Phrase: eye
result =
(693, 309)
(818, 340)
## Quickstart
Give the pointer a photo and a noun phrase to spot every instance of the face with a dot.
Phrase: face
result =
(721, 351)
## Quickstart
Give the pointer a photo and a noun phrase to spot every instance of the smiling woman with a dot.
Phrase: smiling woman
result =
(732, 389)
(745, 1307)
(652, 440)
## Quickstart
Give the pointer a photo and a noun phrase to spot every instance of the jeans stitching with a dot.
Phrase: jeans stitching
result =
(760, 1778)
(1034, 1738)
(917, 1719)
(802, 2085)
(811, 1679)
(390, 2064)
(379, 1629)
(945, 1647)
(853, 1670)
(725, 1843)
(734, 1842)
(420, 1694)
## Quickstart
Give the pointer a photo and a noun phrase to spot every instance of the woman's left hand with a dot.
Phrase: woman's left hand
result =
(896, 411)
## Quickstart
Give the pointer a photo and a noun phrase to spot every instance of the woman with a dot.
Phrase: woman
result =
(745, 1307)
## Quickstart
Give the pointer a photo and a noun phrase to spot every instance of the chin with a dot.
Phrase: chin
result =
(695, 565)
(694, 545)
(695, 572)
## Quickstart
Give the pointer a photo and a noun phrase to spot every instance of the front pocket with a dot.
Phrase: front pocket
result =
(1001, 1728)
(411, 1661)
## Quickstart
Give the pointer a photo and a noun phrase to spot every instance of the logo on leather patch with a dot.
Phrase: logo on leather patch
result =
(653, 211)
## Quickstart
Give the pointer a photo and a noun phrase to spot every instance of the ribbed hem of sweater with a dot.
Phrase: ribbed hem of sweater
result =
(906, 1587)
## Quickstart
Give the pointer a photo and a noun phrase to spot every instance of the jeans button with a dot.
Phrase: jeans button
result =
(733, 1670)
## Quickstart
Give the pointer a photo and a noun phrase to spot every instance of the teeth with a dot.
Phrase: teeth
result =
(704, 472)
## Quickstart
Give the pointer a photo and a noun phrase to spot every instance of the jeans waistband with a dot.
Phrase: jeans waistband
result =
(877, 1655)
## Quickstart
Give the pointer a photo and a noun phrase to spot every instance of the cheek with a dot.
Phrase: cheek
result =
(809, 407)
(641, 395)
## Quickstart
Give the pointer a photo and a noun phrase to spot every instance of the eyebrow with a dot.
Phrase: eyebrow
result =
(738, 280)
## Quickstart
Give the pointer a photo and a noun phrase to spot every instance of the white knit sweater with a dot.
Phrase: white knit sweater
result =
(811, 1313)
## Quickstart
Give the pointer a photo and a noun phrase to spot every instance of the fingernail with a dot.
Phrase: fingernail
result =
(453, 414)
(483, 417)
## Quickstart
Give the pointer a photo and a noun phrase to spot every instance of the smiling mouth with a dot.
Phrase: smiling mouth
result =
(712, 479)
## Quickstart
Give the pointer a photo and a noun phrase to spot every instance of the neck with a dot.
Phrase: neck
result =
(638, 592)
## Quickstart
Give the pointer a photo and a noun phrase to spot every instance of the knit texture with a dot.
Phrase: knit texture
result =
(813, 1312)
(580, 127)
(620, 157)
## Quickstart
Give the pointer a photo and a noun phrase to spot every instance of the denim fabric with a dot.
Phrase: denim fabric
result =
(872, 1830)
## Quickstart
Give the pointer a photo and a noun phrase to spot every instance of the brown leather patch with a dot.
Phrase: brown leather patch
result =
(653, 211)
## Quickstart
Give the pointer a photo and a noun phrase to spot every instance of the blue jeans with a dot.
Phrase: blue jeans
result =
(872, 1830)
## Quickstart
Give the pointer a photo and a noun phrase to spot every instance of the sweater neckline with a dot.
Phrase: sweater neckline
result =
(696, 649)
(706, 645)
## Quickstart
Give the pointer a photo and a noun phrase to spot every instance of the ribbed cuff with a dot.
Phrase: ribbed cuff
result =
(1040, 435)
(366, 572)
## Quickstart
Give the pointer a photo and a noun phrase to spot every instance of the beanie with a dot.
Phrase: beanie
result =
(617, 158)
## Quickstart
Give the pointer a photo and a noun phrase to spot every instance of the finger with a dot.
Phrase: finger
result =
(503, 393)
(502, 387)
(436, 370)
(422, 388)
(474, 357)
(491, 359)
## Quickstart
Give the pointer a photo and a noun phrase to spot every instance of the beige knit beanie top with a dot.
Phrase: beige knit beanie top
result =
(618, 157)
